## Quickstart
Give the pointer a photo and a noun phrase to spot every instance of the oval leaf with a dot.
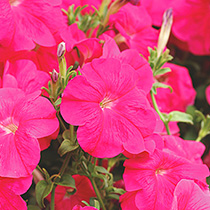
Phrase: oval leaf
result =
(180, 117)
(43, 189)
(66, 180)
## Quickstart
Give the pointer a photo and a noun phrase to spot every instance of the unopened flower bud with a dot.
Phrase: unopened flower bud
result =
(61, 59)
(61, 49)
(114, 8)
(54, 76)
(165, 30)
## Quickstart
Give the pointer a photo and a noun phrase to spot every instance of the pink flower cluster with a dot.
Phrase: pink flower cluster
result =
(109, 101)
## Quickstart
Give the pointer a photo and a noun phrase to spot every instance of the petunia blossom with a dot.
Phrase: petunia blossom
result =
(65, 200)
(189, 196)
(155, 177)
(27, 23)
(127, 201)
(135, 29)
(188, 16)
(24, 75)
(191, 150)
(10, 191)
(112, 113)
(131, 57)
(23, 119)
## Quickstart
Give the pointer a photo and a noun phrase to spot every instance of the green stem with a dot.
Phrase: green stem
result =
(97, 193)
(198, 138)
(159, 113)
(65, 164)
(52, 203)
(61, 172)
(72, 132)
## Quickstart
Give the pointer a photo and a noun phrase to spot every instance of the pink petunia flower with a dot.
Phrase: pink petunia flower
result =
(27, 23)
(127, 201)
(64, 200)
(155, 177)
(10, 191)
(24, 75)
(131, 57)
(112, 113)
(135, 29)
(188, 16)
(183, 93)
(190, 150)
(23, 119)
(189, 196)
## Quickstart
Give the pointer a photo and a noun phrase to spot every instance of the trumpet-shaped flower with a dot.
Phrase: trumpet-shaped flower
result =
(135, 28)
(155, 177)
(112, 113)
(191, 150)
(23, 119)
(27, 23)
(65, 200)
(189, 196)
(10, 191)
(23, 74)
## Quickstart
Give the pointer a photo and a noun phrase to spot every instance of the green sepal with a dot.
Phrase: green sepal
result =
(57, 102)
(161, 71)
(42, 190)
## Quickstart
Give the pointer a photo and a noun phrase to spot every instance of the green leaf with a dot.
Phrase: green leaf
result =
(67, 146)
(159, 85)
(101, 169)
(66, 180)
(43, 189)
(32, 207)
(162, 71)
(113, 196)
(180, 117)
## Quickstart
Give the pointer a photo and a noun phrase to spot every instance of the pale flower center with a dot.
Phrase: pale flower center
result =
(106, 103)
(8, 126)
(14, 2)
(160, 171)
(12, 127)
